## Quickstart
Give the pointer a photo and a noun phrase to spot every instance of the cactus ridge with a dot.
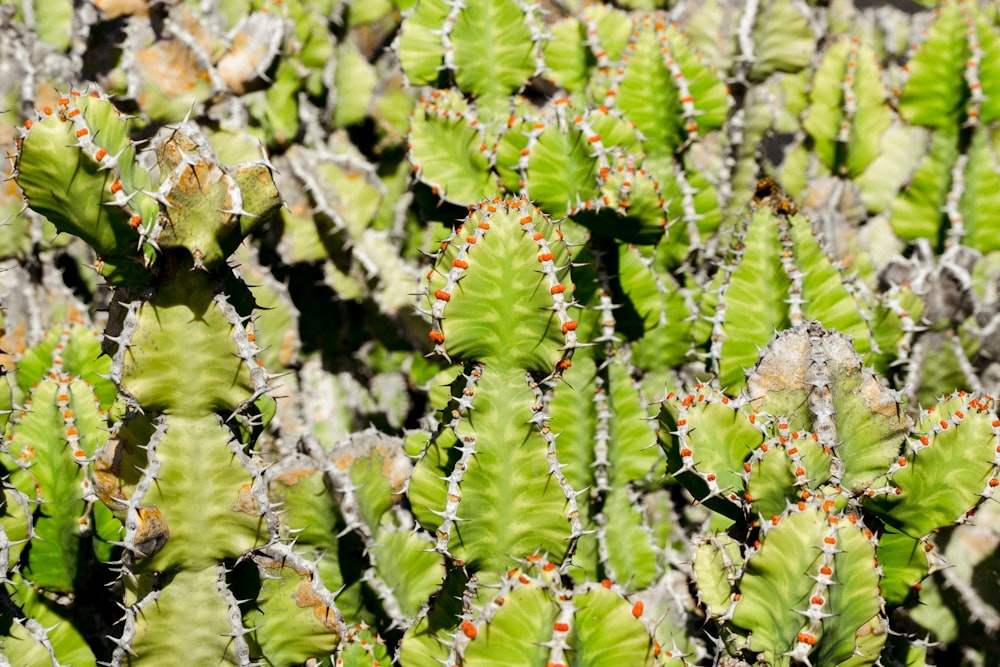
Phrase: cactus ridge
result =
(555, 469)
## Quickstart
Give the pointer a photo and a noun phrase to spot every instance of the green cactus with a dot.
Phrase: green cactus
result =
(53, 527)
(539, 465)
(509, 330)
(775, 250)
(605, 155)
(273, 457)
(159, 428)
(817, 443)
(532, 618)
(103, 197)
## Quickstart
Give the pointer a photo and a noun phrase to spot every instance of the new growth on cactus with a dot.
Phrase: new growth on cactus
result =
(480, 332)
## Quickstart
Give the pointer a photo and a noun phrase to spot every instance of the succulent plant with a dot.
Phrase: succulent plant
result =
(442, 332)
(500, 486)
(835, 489)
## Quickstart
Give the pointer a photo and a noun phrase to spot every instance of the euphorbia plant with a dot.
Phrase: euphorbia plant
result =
(500, 233)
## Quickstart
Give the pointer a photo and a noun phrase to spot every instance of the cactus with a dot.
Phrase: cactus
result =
(105, 199)
(425, 322)
(826, 492)
(53, 527)
(176, 286)
(580, 426)
(163, 250)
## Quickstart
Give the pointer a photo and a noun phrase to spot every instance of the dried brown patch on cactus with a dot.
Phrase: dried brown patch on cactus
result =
(153, 533)
(107, 483)
(784, 368)
(244, 502)
(254, 46)
(293, 477)
(173, 66)
(396, 465)
(113, 9)
(305, 596)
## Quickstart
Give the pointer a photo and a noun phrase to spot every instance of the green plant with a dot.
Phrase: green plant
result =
(495, 332)
(837, 493)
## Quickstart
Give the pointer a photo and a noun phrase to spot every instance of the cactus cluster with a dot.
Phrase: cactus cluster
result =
(820, 468)
(476, 332)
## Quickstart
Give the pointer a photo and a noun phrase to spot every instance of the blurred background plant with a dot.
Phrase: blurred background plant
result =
(500, 332)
